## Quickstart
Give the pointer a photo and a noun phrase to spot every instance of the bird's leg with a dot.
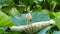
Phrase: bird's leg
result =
(28, 22)
(31, 28)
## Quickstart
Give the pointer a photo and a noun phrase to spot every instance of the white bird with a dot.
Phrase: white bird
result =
(28, 17)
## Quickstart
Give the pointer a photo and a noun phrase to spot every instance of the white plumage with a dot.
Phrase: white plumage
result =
(28, 17)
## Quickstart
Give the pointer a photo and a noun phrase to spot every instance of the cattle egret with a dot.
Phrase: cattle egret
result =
(28, 17)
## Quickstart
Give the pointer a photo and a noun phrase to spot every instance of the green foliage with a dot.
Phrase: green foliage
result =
(56, 32)
(11, 8)
(2, 31)
(57, 19)
(5, 20)
(51, 14)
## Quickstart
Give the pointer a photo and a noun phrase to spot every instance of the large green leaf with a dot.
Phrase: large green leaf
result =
(44, 31)
(57, 19)
(20, 19)
(5, 20)
(56, 32)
